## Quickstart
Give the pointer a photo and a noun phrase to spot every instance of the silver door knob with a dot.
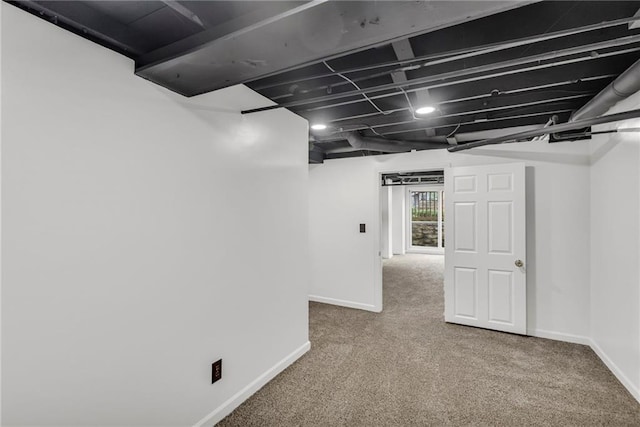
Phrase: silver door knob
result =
(519, 263)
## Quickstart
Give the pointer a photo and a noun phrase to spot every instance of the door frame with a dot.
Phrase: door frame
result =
(376, 253)
(439, 250)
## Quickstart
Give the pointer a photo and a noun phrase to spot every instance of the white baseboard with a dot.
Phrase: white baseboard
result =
(343, 303)
(234, 401)
(635, 392)
(560, 336)
(577, 339)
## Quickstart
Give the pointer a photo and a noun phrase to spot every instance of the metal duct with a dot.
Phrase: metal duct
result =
(359, 142)
(625, 85)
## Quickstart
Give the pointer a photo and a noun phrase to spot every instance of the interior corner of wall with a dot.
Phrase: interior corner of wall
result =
(632, 388)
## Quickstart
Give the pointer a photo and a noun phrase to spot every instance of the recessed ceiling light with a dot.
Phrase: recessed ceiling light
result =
(425, 110)
(318, 126)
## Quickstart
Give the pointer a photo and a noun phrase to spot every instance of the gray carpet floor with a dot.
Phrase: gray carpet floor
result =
(406, 367)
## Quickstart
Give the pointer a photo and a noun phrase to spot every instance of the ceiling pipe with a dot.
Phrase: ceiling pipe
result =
(577, 124)
(624, 86)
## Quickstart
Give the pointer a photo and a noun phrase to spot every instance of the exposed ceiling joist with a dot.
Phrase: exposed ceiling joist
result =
(510, 67)
(489, 68)
(519, 89)
(279, 40)
(403, 51)
(459, 54)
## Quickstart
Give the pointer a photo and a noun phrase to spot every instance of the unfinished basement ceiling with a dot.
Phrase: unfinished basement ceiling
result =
(364, 68)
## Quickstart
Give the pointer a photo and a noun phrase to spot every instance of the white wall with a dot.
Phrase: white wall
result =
(398, 219)
(132, 258)
(341, 258)
(615, 250)
(345, 265)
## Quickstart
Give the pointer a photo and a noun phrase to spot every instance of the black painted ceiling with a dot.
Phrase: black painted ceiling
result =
(485, 77)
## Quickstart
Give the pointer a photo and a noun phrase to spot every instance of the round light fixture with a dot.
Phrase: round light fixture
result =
(318, 126)
(425, 110)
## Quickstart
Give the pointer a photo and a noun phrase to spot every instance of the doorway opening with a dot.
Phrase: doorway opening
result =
(412, 213)
(411, 225)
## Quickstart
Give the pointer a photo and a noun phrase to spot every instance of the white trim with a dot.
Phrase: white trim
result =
(635, 392)
(234, 401)
(344, 303)
(560, 336)
(578, 339)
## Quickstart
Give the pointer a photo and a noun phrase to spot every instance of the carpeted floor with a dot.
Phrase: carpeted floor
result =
(405, 366)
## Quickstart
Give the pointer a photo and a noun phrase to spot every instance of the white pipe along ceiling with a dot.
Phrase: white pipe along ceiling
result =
(377, 77)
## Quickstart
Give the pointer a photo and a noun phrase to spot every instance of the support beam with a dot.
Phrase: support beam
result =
(280, 36)
(403, 51)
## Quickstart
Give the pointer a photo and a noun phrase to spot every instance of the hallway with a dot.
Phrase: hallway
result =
(405, 366)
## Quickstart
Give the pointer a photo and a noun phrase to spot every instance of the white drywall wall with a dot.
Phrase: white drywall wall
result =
(341, 258)
(344, 192)
(615, 248)
(144, 236)
(398, 220)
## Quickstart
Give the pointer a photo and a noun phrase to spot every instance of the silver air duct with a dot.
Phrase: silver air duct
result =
(359, 142)
(624, 86)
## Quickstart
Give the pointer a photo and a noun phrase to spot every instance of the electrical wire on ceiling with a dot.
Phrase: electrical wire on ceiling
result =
(453, 132)
(356, 86)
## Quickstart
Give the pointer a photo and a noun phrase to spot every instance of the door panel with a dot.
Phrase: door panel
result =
(486, 225)
(500, 227)
(464, 215)
(501, 296)
(465, 293)
(464, 184)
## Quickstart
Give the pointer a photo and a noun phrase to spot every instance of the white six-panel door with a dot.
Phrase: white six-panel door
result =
(485, 230)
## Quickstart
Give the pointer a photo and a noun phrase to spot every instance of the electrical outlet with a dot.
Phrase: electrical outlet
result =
(216, 371)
